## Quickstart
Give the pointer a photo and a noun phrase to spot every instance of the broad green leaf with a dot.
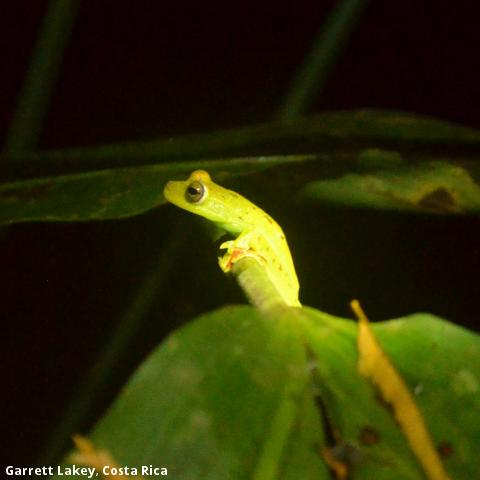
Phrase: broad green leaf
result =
(441, 364)
(325, 133)
(436, 187)
(115, 181)
(351, 403)
(217, 401)
(106, 194)
(238, 395)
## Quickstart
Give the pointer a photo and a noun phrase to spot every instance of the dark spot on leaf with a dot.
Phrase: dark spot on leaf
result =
(439, 200)
(269, 219)
(445, 449)
(369, 436)
(32, 193)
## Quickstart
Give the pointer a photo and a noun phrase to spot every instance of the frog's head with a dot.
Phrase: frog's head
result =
(199, 195)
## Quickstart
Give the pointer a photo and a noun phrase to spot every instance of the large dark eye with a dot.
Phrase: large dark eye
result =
(195, 192)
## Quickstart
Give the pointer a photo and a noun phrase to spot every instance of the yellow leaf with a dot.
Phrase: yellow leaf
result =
(374, 365)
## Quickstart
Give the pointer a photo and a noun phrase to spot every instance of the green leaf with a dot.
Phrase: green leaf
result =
(104, 194)
(218, 400)
(351, 402)
(433, 187)
(238, 395)
(441, 364)
(114, 181)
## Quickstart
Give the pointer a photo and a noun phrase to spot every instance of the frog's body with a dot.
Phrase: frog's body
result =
(257, 234)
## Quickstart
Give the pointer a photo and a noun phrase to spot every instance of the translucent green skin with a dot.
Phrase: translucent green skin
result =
(257, 234)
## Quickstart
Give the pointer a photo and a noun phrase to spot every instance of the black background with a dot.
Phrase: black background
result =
(135, 70)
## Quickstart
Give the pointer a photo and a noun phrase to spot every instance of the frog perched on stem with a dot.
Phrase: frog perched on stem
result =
(256, 234)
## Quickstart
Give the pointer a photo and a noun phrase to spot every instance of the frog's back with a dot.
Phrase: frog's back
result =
(271, 244)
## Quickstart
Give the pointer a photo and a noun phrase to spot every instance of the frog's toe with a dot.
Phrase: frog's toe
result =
(226, 245)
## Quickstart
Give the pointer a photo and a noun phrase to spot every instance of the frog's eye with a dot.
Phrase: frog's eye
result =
(195, 192)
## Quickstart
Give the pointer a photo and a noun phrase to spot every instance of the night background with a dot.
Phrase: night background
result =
(143, 70)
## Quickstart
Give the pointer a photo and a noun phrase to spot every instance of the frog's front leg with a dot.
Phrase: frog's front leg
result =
(237, 249)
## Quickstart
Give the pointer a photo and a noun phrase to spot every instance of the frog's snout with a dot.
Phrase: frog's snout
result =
(167, 190)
